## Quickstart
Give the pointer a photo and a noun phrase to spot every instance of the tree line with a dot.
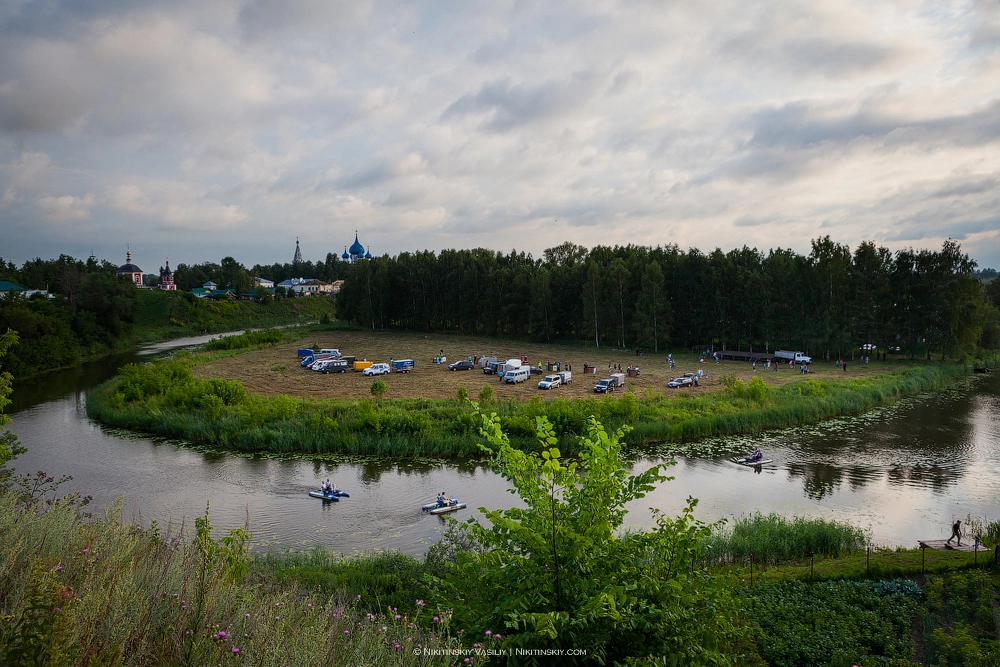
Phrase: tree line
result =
(827, 303)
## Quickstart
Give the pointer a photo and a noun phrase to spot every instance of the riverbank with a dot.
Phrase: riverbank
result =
(167, 399)
(85, 591)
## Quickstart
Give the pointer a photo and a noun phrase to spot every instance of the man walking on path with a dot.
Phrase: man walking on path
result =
(956, 532)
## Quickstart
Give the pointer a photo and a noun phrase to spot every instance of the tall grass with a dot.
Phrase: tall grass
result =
(771, 539)
(164, 398)
(79, 592)
(243, 340)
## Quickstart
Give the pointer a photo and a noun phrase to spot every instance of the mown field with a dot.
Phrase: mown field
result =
(274, 370)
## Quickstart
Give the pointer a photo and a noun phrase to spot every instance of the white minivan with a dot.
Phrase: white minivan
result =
(517, 375)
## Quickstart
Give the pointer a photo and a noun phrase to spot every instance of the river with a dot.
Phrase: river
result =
(904, 472)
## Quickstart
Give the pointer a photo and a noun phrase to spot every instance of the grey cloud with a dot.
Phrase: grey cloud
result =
(508, 105)
(961, 187)
(807, 56)
(803, 124)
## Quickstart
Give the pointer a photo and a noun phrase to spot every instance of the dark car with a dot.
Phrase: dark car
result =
(463, 365)
(491, 368)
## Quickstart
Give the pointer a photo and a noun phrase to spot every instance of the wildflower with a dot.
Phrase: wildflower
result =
(175, 594)
(248, 615)
(467, 660)
(184, 606)
(222, 634)
(58, 609)
(86, 550)
(310, 606)
(397, 617)
(59, 569)
(497, 636)
(236, 651)
(435, 619)
(488, 633)
(347, 632)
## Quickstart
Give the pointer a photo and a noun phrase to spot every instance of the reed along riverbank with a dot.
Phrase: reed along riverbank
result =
(164, 398)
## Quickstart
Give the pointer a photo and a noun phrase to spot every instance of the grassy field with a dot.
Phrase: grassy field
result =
(274, 371)
(259, 399)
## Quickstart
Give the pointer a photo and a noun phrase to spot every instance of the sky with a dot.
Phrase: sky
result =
(197, 129)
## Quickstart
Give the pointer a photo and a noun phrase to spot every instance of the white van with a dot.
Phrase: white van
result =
(517, 375)
(329, 352)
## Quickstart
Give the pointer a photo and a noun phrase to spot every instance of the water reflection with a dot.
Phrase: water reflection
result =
(906, 471)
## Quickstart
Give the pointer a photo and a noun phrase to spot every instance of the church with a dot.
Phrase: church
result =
(351, 255)
(133, 272)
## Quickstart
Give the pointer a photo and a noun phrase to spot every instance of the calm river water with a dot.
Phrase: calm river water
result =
(905, 473)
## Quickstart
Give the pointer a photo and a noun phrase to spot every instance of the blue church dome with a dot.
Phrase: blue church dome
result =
(345, 256)
(368, 255)
(357, 249)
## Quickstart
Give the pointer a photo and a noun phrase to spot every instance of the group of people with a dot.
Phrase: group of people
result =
(443, 500)
(327, 487)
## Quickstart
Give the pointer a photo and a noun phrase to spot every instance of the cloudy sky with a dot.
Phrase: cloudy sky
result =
(196, 129)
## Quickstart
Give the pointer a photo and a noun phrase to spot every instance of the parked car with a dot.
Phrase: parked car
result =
(513, 376)
(550, 382)
(491, 368)
(331, 366)
(463, 365)
(610, 384)
(377, 369)
(688, 380)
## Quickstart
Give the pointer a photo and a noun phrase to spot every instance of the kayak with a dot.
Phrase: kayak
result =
(745, 461)
(434, 508)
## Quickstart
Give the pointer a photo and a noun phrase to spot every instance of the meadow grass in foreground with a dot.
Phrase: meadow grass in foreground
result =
(76, 592)
(164, 398)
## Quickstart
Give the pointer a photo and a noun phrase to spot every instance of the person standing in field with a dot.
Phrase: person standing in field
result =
(956, 532)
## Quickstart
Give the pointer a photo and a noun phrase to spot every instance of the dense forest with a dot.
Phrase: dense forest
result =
(829, 302)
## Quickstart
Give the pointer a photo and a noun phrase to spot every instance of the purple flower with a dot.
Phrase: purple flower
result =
(222, 634)
(248, 615)
(488, 633)
(184, 606)
(347, 632)
(58, 609)
(86, 550)
(497, 636)
(435, 619)
(236, 651)
(59, 569)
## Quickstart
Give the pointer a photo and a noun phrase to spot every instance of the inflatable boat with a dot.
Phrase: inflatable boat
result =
(333, 496)
(434, 508)
(745, 461)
